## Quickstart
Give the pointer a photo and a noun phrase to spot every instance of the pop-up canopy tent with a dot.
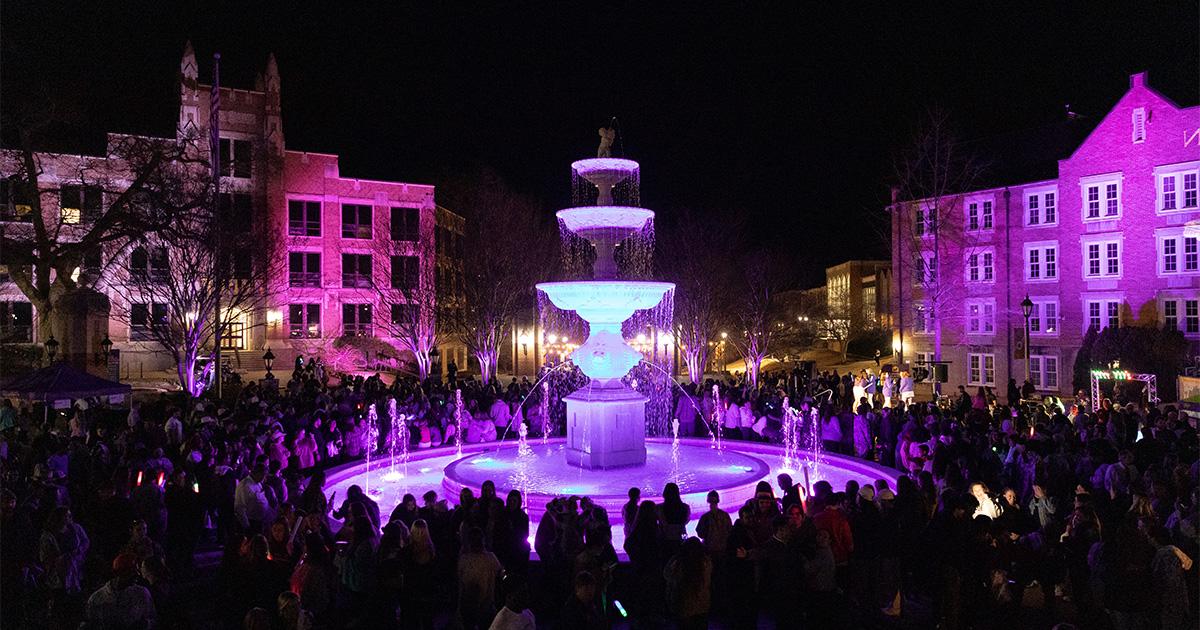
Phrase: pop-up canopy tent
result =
(60, 382)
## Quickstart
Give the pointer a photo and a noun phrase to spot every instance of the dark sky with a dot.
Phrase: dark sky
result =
(787, 117)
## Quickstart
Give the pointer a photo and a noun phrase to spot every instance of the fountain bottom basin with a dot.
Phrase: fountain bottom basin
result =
(546, 474)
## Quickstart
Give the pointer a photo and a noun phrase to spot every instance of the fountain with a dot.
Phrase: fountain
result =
(619, 432)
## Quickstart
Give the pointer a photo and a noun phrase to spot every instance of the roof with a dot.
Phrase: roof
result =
(60, 382)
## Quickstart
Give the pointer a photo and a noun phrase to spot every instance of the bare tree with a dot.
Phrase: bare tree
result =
(754, 310)
(695, 257)
(408, 297)
(931, 175)
(65, 210)
(173, 283)
(506, 250)
(844, 321)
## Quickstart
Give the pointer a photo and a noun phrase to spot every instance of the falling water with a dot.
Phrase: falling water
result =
(397, 442)
(791, 420)
(372, 442)
(816, 448)
(675, 449)
(717, 423)
(458, 421)
(545, 408)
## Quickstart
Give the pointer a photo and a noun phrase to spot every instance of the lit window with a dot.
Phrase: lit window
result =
(981, 369)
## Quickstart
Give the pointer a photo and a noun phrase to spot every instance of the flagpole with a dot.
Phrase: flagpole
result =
(214, 126)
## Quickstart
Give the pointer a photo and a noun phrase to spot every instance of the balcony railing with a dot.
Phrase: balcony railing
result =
(304, 228)
(304, 279)
(356, 281)
(356, 330)
(301, 331)
(155, 276)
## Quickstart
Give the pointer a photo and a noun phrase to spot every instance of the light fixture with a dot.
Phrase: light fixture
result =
(105, 350)
(51, 348)
(269, 362)
(1027, 307)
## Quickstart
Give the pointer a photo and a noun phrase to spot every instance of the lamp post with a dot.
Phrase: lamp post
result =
(51, 348)
(105, 349)
(434, 364)
(1027, 311)
(269, 362)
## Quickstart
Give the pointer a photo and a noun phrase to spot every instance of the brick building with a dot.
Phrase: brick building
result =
(343, 237)
(1106, 236)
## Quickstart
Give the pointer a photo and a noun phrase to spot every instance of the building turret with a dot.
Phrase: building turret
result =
(189, 97)
(273, 119)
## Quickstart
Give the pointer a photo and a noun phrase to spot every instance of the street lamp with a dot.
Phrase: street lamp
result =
(1027, 311)
(105, 349)
(51, 348)
(269, 362)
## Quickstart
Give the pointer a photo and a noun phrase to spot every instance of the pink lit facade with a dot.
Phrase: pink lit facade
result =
(1113, 240)
(345, 238)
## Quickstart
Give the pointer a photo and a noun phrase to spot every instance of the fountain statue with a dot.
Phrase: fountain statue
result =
(606, 419)
(607, 135)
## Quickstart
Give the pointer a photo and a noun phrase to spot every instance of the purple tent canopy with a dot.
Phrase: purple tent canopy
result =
(60, 382)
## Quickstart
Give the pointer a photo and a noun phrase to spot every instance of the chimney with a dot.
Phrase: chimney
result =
(1138, 79)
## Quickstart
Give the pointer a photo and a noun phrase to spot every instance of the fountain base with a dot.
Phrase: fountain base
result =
(606, 427)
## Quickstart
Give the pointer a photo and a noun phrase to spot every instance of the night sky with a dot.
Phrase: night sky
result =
(789, 118)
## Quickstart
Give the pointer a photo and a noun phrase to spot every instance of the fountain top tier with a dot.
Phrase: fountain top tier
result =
(605, 181)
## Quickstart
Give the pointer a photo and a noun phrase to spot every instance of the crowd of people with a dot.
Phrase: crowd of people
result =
(1002, 512)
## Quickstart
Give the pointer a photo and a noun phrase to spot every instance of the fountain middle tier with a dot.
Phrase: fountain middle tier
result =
(605, 300)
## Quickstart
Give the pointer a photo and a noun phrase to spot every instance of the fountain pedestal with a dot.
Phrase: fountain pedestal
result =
(606, 427)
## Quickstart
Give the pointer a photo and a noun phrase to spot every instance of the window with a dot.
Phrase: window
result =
(981, 317)
(236, 212)
(13, 204)
(1102, 259)
(144, 319)
(928, 269)
(149, 265)
(1103, 313)
(304, 321)
(356, 320)
(1041, 261)
(79, 203)
(93, 261)
(1170, 249)
(235, 158)
(405, 315)
(16, 322)
(304, 269)
(406, 224)
(1041, 208)
(1043, 318)
(1101, 199)
(356, 221)
(1182, 314)
(979, 215)
(925, 220)
(981, 369)
(980, 266)
(241, 264)
(1139, 125)
(1043, 371)
(304, 218)
(405, 273)
(356, 271)
(922, 319)
(1177, 190)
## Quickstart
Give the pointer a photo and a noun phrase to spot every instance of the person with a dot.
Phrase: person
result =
(629, 510)
(62, 550)
(878, 354)
(121, 603)
(315, 576)
(907, 390)
(250, 500)
(714, 526)
(417, 562)
(986, 504)
(478, 572)
(674, 515)
(689, 585)
(291, 615)
(515, 614)
(581, 610)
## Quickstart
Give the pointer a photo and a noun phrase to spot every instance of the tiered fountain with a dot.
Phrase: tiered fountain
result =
(606, 419)
(607, 244)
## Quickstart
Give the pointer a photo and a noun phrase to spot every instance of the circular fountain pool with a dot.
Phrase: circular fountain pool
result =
(544, 473)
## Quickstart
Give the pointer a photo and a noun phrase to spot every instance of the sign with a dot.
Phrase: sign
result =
(1018, 342)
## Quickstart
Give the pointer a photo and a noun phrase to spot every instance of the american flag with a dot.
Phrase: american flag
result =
(214, 119)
